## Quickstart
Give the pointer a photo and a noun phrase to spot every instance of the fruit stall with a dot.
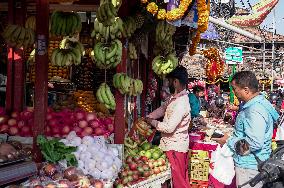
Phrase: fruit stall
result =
(81, 75)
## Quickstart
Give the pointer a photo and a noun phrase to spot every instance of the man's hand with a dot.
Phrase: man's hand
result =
(222, 140)
(150, 121)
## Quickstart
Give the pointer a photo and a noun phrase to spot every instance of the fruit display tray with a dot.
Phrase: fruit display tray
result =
(154, 182)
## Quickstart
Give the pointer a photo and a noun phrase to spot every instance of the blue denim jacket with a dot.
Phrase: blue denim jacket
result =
(255, 124)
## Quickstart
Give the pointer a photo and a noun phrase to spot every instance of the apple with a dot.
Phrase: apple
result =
(157, 170)
(146, 174)
(151, 165)
(135, 177)
(162, 161)
(129, 159)
(132, 166)
(146, 167)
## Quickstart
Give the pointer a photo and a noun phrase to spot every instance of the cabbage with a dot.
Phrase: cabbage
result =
(71, 135)
(88, 140)
(76, 141)
(82, 148)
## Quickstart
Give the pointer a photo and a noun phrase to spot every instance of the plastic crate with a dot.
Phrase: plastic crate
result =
(199, 184)
(199, 166)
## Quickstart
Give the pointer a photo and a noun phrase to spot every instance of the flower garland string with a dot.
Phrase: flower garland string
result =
(172, 15)
(203, 9)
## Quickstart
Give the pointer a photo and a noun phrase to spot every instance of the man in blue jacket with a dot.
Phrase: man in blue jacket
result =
(254, 124)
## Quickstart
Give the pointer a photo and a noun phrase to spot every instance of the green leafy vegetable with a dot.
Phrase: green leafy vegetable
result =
(53, 151)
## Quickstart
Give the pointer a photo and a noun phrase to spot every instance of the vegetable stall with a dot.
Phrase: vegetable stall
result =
(81, 76)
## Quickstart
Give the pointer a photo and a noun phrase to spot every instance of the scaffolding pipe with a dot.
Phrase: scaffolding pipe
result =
(235, 29)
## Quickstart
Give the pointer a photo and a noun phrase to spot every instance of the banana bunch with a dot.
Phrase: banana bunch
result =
(132, 51)
(127, 85)
(103, 33)
(106, 14)
(130, 27)
(65, 23)
(31, 58)
(130, 147)
(17, 36)
(107, 56)
(31, 23)
(66, 43)
(164, 65)
(164, 34)
(105, 96)
(115, 3)
(66, 57)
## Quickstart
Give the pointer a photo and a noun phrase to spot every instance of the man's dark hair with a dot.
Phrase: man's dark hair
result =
(246, 79)
(179, 73)
(197, 89)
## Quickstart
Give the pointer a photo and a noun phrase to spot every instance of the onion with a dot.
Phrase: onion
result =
(26, 115)
(108, 121)
(90, 116)
(83, 124)
(15, 115)
(94, 123)
(13, 131)
(69, 172)
(25, 131)
(48, 117)
(3, 119)
(88, 130)
(66, 129)
(98, 131)
(110, 128)
(55, 130)
(80, 115)
(52, 122)
(97, 184)
(78, 130)
(12, 122)
(4, 128)
(21, 124)
(48, 131)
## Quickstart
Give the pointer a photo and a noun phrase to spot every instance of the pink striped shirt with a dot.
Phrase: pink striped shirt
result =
(174, 127)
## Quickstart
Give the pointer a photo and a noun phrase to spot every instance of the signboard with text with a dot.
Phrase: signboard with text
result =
(234, 55)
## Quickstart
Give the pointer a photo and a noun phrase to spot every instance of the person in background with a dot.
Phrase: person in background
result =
(194, 100)
(254, 123)
(174, 127)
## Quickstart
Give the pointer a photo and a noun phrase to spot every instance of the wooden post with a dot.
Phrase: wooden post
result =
(10, 70)
(41, 70)
(119, 119)
(19, 63)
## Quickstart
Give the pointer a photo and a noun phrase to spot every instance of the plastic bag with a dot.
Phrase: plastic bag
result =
(224, 168)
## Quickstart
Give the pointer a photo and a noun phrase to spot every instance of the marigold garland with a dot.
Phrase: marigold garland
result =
(177, 13)
(152, 8)
(203, 9)
(174, 14)
(215, 64)
(162, 14)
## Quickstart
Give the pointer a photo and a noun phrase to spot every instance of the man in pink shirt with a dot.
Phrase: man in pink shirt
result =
(174, 127)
